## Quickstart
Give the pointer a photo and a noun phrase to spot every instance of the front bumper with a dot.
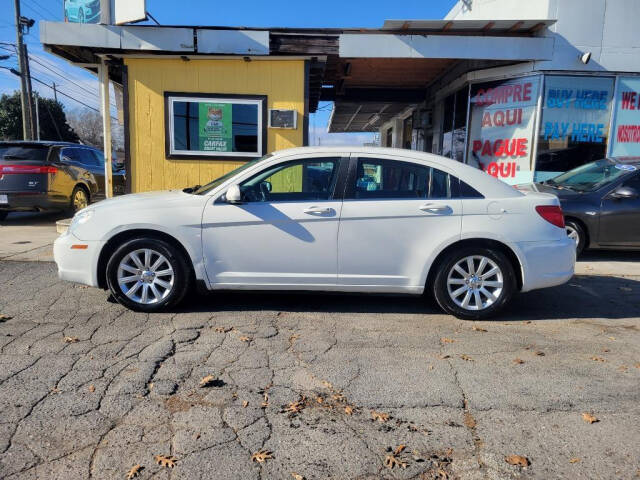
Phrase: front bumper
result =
(79, 265)
(548, 263)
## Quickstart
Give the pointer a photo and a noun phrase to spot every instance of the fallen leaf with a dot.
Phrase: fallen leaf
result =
(623, 368)
(574, 460)
(245, 404)
(478, 329)
(466, 358)
(150, 385)
(261, 456)
(244, 338)
(379, 416)
(295, 407)
(539, 353)
(517, 460)
(70, 339)
(399, 449)
(447, 340)
(430, 367)
(598, 359)
(327, 384)
(222, 329)
(611, 338)
(54, 390)
(134, 471)
(587, 417)
(165, 461)
(605, 350)
(297, 476)
(391, 461)
(92, 388)
(265, 400)
(443, 357)
(348, 410)
(637, 365)
(469, 421)
(4, 318)
(206, 381)
(518, 361)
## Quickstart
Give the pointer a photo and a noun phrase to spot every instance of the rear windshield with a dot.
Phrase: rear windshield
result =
(23, 152)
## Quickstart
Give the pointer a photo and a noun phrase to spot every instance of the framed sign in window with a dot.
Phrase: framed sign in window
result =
(215, 125)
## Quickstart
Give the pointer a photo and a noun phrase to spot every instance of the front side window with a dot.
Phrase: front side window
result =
(299, 180)
(215, 126)
(376, 178)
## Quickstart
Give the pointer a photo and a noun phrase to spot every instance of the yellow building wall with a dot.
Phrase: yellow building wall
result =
(281, 80)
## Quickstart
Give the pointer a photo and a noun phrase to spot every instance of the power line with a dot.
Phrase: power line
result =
(55, 15)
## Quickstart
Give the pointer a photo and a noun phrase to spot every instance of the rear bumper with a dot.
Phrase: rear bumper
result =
(77, 265)
(29, 201)
(547, 264)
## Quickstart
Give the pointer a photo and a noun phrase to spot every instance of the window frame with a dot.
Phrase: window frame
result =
(338, 184)
(350, 183)
(171, 97)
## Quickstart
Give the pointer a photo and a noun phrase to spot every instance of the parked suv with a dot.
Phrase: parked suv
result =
(39, 176)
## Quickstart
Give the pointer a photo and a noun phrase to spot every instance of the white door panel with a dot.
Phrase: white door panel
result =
(279, 243)
(388, 242)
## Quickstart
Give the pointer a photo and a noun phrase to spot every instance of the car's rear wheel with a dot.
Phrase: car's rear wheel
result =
(148, 275)
(576, 233)
(79, 199)
(474, 283)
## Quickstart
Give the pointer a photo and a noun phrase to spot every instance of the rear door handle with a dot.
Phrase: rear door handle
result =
(317, 210)
(434, 207)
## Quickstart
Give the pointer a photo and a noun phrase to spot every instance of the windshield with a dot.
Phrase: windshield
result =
(219, 181)
(592, 176)
(20, 152)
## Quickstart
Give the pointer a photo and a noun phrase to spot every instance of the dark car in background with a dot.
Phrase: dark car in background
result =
(601, 203)
(42, 176)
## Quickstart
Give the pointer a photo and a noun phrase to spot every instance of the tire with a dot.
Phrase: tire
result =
(577, 233)
(3, 215)
(158, 296)
(79, 199)
(452, 290)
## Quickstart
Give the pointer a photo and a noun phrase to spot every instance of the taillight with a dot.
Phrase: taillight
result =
(552, 214)
(16, 169)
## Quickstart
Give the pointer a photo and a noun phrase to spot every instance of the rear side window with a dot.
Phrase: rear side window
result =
(19, 152)
(467, 191)
(376, 178)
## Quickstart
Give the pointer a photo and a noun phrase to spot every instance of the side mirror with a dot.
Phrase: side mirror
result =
(623, 193)
(233, 194)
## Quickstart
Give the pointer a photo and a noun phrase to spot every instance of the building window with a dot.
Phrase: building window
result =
(501, 127)
(625, 138)
(215, 125)
(454, 125)
(575, 123)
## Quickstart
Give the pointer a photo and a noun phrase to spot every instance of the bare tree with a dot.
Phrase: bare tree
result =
(88, 125)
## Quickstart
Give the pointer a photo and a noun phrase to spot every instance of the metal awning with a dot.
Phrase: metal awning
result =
(490, 27)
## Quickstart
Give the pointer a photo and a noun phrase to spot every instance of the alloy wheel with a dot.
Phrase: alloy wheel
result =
(80, 199)
(573, 234)
(475, 282)
(145, 276)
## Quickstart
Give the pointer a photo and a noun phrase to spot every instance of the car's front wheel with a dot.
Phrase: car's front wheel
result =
(148, 275)
(474, 283)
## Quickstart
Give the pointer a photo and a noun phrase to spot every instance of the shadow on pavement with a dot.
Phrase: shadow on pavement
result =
(585, 296)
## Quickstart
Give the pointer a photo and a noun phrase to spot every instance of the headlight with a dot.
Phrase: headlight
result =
(80, 218)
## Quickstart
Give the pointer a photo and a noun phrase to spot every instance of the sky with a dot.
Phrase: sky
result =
(82, 86)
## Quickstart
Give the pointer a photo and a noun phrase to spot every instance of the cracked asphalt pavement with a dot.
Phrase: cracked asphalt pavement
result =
(303, 376)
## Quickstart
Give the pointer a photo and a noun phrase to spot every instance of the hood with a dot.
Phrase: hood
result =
(139, 200)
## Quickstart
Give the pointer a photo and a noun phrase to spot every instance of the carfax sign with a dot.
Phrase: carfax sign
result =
(215, 127)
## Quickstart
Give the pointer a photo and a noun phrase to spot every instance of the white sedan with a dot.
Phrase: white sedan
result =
(328, 219)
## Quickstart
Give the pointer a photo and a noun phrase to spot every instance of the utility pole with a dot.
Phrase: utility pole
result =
(38, 117)
(55, 92)
(27, 72)
(24, 100)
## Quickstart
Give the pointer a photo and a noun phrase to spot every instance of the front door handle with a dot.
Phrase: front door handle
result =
(434, 207)
(317, 210)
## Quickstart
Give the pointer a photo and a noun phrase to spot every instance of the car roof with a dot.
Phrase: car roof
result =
(46, 143)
